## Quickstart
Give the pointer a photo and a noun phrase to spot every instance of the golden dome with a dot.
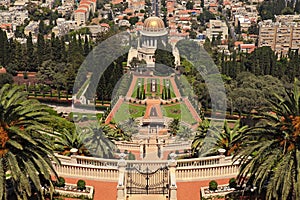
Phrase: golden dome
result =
(154, 24)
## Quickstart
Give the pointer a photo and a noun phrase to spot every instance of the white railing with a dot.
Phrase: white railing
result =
(212, 160)
(88, 161)
(93, 172)
(207, 172)
(107, 169)
(128, 146)
(176, 146)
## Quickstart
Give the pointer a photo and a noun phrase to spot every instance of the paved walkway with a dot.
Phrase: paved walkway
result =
(175, 88)
(114, 110)
(192, 109)
(153, 103)
(131, 88)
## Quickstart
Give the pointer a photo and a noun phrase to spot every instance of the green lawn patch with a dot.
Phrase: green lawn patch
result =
(148, 92)
(171, 87)
(178, 110)
(134, 93)
(127, 111)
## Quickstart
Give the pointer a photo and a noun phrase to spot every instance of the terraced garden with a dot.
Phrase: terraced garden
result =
(178, 110)
(128, 110)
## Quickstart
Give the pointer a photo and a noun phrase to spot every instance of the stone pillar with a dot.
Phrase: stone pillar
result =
(121, 182)
(222, 156)
(172, 169)
(141, 150)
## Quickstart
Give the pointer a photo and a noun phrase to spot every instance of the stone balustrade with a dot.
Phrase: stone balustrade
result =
(85, 171)
(90, 161)
(186, 169)
(176, 146)
(207, 172)
(212, 160)
(128, 146)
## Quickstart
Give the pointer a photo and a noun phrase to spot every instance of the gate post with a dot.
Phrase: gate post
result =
(121, 182)
(172, 168)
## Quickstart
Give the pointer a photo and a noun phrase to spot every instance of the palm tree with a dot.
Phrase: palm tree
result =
(74, 138)
(98, 143)
(226, 137)
(203, 139)
(270, 151)
(184, 133)
(129, 127)
(174, 126)
(25, 149)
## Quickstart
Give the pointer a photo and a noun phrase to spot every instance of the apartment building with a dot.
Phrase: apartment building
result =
(280, 36)
(81, 15)
(215, 28)
(15, 17)
(136, 5)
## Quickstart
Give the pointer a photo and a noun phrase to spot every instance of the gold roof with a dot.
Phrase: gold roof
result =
(154, 23)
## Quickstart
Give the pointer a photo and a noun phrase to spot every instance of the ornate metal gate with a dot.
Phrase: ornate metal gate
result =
(147, 181)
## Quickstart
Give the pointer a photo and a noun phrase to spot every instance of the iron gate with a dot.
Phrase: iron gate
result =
(147, 181)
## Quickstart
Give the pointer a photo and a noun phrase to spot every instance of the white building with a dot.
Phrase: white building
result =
(215, 28)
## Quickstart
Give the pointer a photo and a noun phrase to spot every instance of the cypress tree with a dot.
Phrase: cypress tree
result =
(4, 50)
(86, 48)
(297, 7)
(30, 53)
(40, 49)
(138, 92)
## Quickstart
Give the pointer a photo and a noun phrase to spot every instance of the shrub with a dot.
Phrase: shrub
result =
(232, 183)
(213, 185)
(131, 156)
(60, 182)
(80, 185)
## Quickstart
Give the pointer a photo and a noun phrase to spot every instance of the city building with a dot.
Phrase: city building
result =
(215, 28)
(280, 36)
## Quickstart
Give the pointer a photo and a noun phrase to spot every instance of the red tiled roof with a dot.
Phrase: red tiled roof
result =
(184, 18)
(105, 25)
(2, 70)
(139, 23)
(237, 43)
(80, 11)
(84, 6)
(5, 26)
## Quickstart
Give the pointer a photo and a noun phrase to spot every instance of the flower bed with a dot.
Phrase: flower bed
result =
(221, 191)
(70, 190)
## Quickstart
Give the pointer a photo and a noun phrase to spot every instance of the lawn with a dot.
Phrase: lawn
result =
(171, 87)
(127, 111)
(149, 93)
(178, 110)
(134, 93)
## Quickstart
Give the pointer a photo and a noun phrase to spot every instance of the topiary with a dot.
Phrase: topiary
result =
(131, 156)
(60, 182)
(232, 183)
(213, 185)
(80, 185)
